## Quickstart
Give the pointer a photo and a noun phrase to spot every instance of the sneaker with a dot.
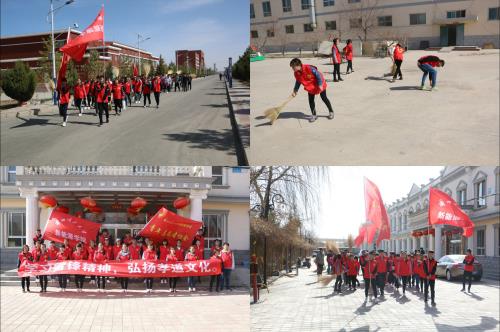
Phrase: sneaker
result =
(190, 289)
(462, 290)
(401, 78)
(330, 116)
(313, 118)
(194, 290)
(170, 290)
(341, 79)
(433, 89)
(80, 114)
(144, 106)
(64, 124)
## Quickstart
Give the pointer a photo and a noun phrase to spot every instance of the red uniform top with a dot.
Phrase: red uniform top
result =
(117, 91)
(336, 54)
(42, 257)
(179, 253)
(199, 237)
(92, 89)
(307, 78)
(212, 250)
(352, 267)
(149, 255)
(199, 251)
(164, 251)
(79, 91)
(102, 95)
(227, 259)
(404, 267)
(127, 87)
(398, 53)
(35, 252)
(146, 89)
(156, 85)
(52, 251)
(123, 257)
(25, 256)
(77, 256)
(87, 88)
(432, 60)
(419, 269)
(191, 257)
(127, 239)
(135, 251)
(100, 257)
(102, 238)
(90, 253)
(61, 256)
(337, 266)
(430, 268)
(171, 258)
(108, 250)
(348, 51)
(138, 86)
(381, 264)
(370, 269)
(469, 263)
(116, 250)
(63, 96)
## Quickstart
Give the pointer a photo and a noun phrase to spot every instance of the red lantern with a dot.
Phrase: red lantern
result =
(132, 211)
(88, 202)
(62, 209)
(432, 231)
(181, 203)
(96, 209)
(426, 232)
(79, 214)
(48, 201)
(138, 203)
(418, 234)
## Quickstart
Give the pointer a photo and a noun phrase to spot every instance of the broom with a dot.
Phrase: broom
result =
(273, 112)
(325, 280)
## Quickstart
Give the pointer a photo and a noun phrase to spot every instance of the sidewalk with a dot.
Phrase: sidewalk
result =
(239, 107)
(302, 304)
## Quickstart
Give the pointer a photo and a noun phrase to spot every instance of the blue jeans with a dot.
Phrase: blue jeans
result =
(192, 282)
(428, 69)
(226, 276)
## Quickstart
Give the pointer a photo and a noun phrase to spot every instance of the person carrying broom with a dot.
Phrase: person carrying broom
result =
(314, 83)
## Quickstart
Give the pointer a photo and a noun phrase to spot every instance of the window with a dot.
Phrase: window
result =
(287, 5)
(217, 175)
(481, 193)
(462, 196)
(327, 3)
(494, 13)
(353, 1)
(16, 234)
(385, 21)
(417, 19)
(215, 225)
(254, 34)
(355, 23)
(266, 8)
(331, 25)
(455, 14)
(252, 11)
(308, 27)
(305, 4)
(480, 242)
(270, 33)
(11, 174)
(289, 28)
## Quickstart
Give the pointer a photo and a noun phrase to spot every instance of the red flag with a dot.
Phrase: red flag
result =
(76, 47)
(61, 226)
(62, 70)
(443, 210)
(168, 225)
(136, 71)
(358, 241)
(376, 213)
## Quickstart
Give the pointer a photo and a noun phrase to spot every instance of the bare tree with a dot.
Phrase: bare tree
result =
(365, 13)
(350, 242)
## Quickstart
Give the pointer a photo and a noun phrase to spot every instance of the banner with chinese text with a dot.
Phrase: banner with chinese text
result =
(61, 226)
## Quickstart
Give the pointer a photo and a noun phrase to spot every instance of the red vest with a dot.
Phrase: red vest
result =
(171, 258)
(42, 257)
(469, 259)
(164, 251)
(430, 266)
(179, 253)
(336, 53)
(308, 80)
(63, 97)
(100, 257)
(52, 251)
(138, 86)
(127, 87)
(352, 267)
(25, 257)
(381, 264)
(78, 256)
(117, 91)
(135, 251)
(398, 53)
(79, 91)
(149, 255)
(404, 267)
(146, 89)
(156, 85)
(227, 259)
(348, 52)
(90, 254)
(200, 252)
(108, 250)
(191, 257)
(116, 250)
(369, 270)
(61, 256)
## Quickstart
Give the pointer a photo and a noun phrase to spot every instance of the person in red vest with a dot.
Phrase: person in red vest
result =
(86, 100)
(24, 255)
(63, 92)
(338, 270)
(103, 92)
(420, 272)
(228, 264)
(179, 252)
(162, 253)
(100, 257)
(216, 246)
(62, 255)
(172, 259)
(392, 270)
(118, 93)
(352, 272)
(79, 92)
(36, 250)
(108, 249)
(336, 60)
(127, 239)
(38, 236)
(398, 61)
(117, 248)
(91, 95)
(128, 90)
(430, 276)
(52, 251)
(468, 269)
(369, 266)
(42, 258)
(149, 255)
(200, 252)
(191, 256)
(135, 250)
(382, 268)
(137, 90)
(314, 83)
(123, 256)
(157, 90)
(404, 270)
(348, 54)
(216, 278)
(68, 249)
(427, 64)
(146, 91)
(91, 249)
(78, 255)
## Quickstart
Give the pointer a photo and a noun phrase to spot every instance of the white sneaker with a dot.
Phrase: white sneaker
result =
(170, 290)
(79, 114)
(194, 289)
(64, 124)
(146, 291)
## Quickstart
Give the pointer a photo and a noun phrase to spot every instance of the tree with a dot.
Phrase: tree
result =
(45, 61)
(365, 13)
(94, 67)
(125, 68)
(19, 82)
(71, 74)
(350, 242)
(161, 69)
(108, 72)
(241, 69)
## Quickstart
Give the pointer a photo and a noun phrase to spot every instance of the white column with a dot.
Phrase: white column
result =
(414, 243)
(437, 241)
(197, 197)
(32, 214)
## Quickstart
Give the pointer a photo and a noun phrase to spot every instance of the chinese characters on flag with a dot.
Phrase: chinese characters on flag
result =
(167, 225)
(61, 226)
(376, 215)
(444, 210)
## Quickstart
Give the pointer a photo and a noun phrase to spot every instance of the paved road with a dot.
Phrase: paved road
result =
(191, 128)
(301, 304)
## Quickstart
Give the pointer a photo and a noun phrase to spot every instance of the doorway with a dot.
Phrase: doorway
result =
(452, 35)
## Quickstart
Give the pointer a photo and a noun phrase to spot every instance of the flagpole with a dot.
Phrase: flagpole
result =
(103, 38)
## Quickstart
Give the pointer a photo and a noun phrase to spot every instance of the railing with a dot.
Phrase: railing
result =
(113, 170)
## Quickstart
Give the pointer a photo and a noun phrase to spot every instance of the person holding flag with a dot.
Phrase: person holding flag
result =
(64, 96)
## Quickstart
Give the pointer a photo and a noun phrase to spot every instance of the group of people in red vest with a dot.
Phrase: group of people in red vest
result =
(124, 249)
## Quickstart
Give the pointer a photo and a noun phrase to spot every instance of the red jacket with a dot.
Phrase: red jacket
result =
(191, 257)
(90, 253)
(469, 263)
(108, 250)
(42, 258)
(146, 88)
(100, 257)
(404, 267)
(63, 97)
(370, 269)
(157, 85)
(35, 252)
(430, 268)
(149, 255)
(429, 60)
(381, 264)
(52, 251)
(352, 267)
(171, 258)
(200, 252)
(127, 87)
(419, 268)
(102, 95)
(117, 91)
(308, 79)
(336, 54)
(78, 256)
(179, 253)
(164, 251)
(348, 52)
(116, 250)
(87, 88)
(79, 91)
(25, 257)
(138, 86)
(227, 259)
(135, 251)
(398, 53)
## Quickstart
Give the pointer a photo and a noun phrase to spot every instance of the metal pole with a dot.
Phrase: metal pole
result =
(230, 72)
(53, 50)
(138, 36)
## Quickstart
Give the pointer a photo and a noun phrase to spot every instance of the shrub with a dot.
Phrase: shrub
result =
(241, 69)
(19, 82)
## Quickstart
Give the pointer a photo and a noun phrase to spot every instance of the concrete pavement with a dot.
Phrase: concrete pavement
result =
(302, 304)
(378, 122)
(239, 105)
(189, 128)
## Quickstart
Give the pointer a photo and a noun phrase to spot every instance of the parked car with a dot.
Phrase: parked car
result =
(452, 266)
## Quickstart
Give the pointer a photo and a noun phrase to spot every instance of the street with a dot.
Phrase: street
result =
(189, 128)
(302, 304)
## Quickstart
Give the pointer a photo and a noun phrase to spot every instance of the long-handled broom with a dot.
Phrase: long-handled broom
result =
(273, 112)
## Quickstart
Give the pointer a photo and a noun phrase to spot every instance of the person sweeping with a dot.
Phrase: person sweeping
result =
(314, 83)
(427, 65)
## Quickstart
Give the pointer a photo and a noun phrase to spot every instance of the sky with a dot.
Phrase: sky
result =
(343, 205)
(218, 27)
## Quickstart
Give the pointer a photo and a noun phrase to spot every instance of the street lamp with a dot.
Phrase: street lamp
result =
(139, 40)
(51, 12)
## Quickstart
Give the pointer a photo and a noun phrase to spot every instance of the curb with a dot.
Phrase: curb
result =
(240, 130)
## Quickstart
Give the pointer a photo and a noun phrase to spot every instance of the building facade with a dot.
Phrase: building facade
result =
(219, 197)
(278, 25)
(193, 60)
(477, 190)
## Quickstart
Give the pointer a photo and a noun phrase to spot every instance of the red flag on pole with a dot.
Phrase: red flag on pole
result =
(76, 47)
(443, 210)
(358, 241)
(64, 64)
(376, 213)
(136, 71)
(61, 226)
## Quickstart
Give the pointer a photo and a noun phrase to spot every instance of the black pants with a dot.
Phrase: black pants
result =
(79, 279)
(338, 283)
(89, 100)
(319, 270)
(325, 99)
(43, 283)
(101, 282)
(25, 281)
(381, 282)
(189, 85)
(118, 105)
(352, 281)
(336, 71)
(128, 100)
(172, 282)
(63, 281)
(430, 283)
(467, 275)
(149, 283)
(63, 111)
(177, 86)
(420, 284)
(124, 283)
(398, 68)
(157, 98)
(406, 281)
(78, 104)
(349, 65)
(371, 282)
(148, 97)
(216, 279)
(103, 108)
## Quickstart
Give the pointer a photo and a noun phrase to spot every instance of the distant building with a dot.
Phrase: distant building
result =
(190, 59)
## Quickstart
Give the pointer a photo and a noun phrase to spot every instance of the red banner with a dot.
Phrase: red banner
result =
(130, 269)
(61, 226)
(444, 210)
(167, 225)
(376, 213)
(76, 47)
(358, 241)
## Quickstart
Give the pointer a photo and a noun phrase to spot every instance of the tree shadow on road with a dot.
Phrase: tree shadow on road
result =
(377, 78)
(404, 88)
(216, 105)
(487, 323)
(206, 139)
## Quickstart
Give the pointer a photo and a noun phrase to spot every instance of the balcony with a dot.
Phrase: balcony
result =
(443, 20)
(191, 171)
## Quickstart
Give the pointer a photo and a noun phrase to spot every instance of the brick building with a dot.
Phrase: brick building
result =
(190, 59)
